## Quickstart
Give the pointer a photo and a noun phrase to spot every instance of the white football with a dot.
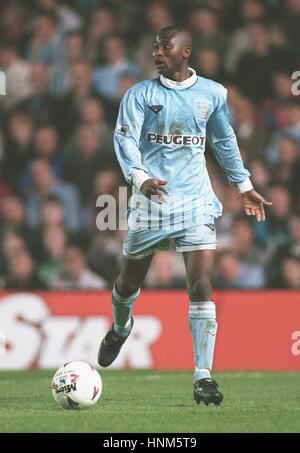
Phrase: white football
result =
(76, 385)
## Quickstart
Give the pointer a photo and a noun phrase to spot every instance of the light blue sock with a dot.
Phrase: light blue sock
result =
(122, 308)
(203, 327)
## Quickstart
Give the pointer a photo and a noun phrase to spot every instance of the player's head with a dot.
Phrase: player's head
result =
(172, 49)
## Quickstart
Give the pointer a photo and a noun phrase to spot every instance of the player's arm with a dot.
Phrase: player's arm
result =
(224, 144)
(126, 142)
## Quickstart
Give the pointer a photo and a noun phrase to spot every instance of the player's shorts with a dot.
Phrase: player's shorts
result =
(143, 242)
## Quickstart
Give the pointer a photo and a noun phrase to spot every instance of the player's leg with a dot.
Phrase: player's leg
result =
(125, 292)
(202, 313)
(203, 324)
(138, 249)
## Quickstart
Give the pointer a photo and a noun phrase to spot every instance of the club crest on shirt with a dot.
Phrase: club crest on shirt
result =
(202, 110)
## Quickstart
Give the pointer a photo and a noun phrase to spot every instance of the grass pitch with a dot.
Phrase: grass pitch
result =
(154, 402)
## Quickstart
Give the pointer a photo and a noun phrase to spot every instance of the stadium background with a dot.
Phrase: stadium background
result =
(67, 65)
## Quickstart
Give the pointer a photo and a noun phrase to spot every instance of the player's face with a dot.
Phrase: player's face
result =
(170, 53)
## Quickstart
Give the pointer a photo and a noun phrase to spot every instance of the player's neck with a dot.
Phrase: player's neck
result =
(180, 83)
(179, 76)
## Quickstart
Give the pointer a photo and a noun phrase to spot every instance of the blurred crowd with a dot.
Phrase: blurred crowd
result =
(68, 64)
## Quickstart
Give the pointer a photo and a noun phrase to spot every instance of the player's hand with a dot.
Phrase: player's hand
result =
(254, 204)
(153, 188)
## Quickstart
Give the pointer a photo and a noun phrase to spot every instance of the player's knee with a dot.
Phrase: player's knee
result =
(200, 288)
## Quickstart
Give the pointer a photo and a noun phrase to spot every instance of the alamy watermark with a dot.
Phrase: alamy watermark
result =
(166, 212)
(2, 84)
(296, 84)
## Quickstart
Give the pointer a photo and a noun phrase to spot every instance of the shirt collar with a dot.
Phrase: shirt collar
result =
(187, 83)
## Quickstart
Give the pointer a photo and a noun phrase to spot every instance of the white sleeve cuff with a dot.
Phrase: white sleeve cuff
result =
(245, 186)
(139, 177)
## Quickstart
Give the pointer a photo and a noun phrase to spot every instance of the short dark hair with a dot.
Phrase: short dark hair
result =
(178, 30)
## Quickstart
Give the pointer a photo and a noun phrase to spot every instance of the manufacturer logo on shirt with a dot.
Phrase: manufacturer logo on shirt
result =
(211, 226)
(185, 140)
(156, 108)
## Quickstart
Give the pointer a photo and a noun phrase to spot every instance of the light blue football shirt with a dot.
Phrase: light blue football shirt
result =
(161, 130)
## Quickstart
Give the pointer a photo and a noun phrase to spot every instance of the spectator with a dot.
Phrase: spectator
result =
(81, 78)
(290, 272)
(14, 216)
(208, 63)
(105, 182)
(70, 106)
(18, 76)
(264, 59)
(127, 80)
(45, 184)
(14, 24)
(249, 135)
(101, 25)
(243, 244)
(19, 146)
(292, 131)
(128, 17)
(75, 274)
(276, 230)
(92, 114)
(157, 16)
(274, 109)
(231, 272)
(286, 172)
(68, 19)
(22, 273)
(86, 8)
(294, 241)
(11, 243)
(42, 104)
(288, 249)
(205, 27)
(106, 79)
(104, 254)
(87, 159)
(104, 249)
(54, 244)
(240, 41)
(292, 24)
(165, 272)
(52, 212)
(46, 145)
(260, 174)
(232, 208)
(61, 73)
(45, 46)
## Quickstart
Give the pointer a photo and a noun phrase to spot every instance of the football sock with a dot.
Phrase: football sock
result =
(203, 327)
(122, 308)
